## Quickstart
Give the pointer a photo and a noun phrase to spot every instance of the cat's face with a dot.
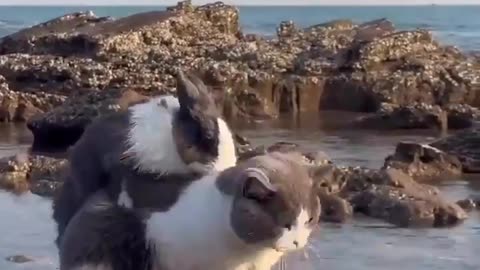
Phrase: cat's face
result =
(203, 139)
(274, 204)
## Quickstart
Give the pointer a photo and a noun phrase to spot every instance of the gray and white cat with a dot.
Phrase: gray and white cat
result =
(155, 140)
(244, 218)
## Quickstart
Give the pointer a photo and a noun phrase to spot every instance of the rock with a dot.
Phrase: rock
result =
(334, 208)
(386, 194)
(423, 161)
(39, 38)
(468, 204)
(19, 259)
(317, 158)
(368, 31)
(84, 34)
(417, 116)
(242, 145)
(283, 147)
(248, 152)
(14, 173)
(34, 173)
(20, 107)
(461, 116)
(45, 188)
(64, 125)
(465, 145)
(420, 116)
(395, 197)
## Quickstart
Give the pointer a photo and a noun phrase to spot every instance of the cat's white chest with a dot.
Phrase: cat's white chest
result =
(190, 235)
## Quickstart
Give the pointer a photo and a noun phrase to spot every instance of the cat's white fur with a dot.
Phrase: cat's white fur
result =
(150, 136)
(296, 236)
(196, 233)
(153, 146)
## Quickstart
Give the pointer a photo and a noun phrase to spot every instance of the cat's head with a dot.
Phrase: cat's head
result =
(203, 139)
(274, 205)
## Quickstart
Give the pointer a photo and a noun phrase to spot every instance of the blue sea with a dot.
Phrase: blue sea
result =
(453, 25)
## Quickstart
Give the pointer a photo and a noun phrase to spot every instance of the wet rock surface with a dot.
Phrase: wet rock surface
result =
(63, 126)
(19, 259)
(417, 116)
(39, 174)
(465, 145)
(336, 65)
(469, 204)
(420, 116)
(393, 196)
(461, 116)
(423, 161)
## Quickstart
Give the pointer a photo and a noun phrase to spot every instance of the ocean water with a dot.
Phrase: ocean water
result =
(453, 25)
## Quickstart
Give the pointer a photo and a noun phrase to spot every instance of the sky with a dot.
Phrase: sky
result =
(239, 2)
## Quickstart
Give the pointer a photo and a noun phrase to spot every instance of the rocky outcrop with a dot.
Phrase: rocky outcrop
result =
(423, 161)
(416, 116)
(465, 145)
(63, 126)
(395, 197)
(461, 116)
(420, 116)
(337, 65)
(23, 106)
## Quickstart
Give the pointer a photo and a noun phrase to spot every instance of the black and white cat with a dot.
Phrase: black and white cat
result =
(243, 218)
(162, 137)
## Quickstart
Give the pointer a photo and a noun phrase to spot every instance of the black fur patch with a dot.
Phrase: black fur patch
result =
(197, 118)
(199, 131)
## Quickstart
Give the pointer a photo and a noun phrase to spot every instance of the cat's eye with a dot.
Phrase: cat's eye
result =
(309, 221)
(288, 226)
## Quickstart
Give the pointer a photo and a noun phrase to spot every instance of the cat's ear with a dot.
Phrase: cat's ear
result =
(187, 92)
(192, 94)
(257, 185)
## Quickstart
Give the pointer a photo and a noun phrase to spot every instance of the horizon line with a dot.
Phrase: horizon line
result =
(239, 5)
